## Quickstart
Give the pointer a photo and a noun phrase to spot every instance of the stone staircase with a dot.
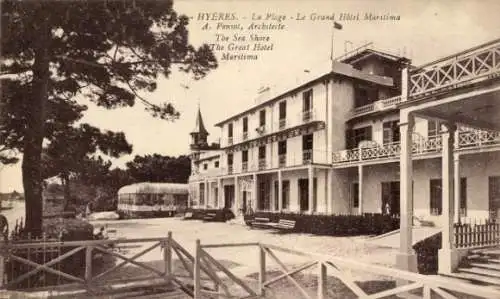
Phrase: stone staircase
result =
(481, 267)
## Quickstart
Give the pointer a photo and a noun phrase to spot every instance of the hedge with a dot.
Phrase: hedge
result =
(427, 254)
(221, 215)
(334, 225)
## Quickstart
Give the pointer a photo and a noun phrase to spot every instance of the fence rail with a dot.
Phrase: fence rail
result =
(476, 235)
(410, 284)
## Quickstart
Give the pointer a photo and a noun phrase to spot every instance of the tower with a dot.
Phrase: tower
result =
(199, 134)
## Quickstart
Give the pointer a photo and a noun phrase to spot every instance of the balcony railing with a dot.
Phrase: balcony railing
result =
(229, 140)
(472, 66)
(307, 156)
(377, 106)
(230, 169)
(282, 160)
(244, 166)
(282, 123)
(307, 116)
(262, 164)
(466, 140)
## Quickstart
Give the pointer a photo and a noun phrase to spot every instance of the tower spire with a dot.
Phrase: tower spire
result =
(199, 134)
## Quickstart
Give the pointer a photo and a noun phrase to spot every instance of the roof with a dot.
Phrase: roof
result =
(366, 53)
(199, 126)
(154, 188)
(327, 70)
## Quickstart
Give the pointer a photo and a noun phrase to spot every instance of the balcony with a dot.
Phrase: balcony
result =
(230, 140)
(307, 156)
(282, 124)
(380, 105)
(262, 164)
(307, 116)
(282, 160)
(467, 140)
(244, 166)
(230, 169)
(244, 136)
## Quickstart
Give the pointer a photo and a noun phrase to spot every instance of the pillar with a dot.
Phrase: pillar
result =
(360, 190)
(280, 191)
(310, 185)
(448, 257)
(456, 185)
(406, 259)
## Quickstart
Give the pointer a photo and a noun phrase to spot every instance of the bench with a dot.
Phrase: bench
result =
(286, 224)
(209, 216)
(261, 220)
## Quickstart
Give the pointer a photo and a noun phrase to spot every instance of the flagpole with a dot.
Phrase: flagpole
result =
(337, 26)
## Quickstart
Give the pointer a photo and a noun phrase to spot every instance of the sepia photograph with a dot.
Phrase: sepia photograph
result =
(279, 149)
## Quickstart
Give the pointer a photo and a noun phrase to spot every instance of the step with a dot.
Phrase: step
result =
(480, 271)
(487, 251)
(475, 278)
(491, 266)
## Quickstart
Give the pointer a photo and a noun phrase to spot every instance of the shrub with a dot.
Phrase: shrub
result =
(334, 225)
(427, 254)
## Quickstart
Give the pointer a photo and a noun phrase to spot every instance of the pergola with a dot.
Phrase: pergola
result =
(459, 90)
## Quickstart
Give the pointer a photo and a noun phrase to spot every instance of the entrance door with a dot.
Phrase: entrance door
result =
(244, 206)
(390, 198)
(304, 194)
(494, 197)
(228, 196)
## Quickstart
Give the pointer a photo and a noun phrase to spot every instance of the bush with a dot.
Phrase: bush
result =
(221, 215)
(427, 254)
(334, 225)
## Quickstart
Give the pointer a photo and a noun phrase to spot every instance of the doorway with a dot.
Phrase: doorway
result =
(494, 197)
(228, 196)
(390, 198)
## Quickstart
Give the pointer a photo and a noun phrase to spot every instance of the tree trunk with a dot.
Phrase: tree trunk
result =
(67, 193)
(32, 152)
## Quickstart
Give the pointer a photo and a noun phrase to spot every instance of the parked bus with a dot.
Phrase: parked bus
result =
(143, 200)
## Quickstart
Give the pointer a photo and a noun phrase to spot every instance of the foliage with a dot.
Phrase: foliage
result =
(335, 225)
(427, 254)
(106, 51)
(158, 168)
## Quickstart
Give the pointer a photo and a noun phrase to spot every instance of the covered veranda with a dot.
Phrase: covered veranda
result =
(462, 90)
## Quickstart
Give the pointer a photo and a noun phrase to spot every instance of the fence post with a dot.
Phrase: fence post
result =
(3, 250)
(321, 280)
(88, 264)
(197, 278)
(262, 270)
(167, 258)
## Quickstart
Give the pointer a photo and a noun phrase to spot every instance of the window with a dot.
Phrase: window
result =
(262, 152)
(355, 195)
(463, 197)
(391, 132)
(230, 159)
(307, 98)
(216, 164)
(282, 148)
(433, 128)
(364, 95)
(205, 166)
(354, 137)
(307, 142)
(436, 203)
(262, 118)
(282, 110)
(245, 124)
(230, 130)
(244, 156)
(202, 194)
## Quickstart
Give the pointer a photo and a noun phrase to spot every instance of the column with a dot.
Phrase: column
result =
(456, 185)
(280, 191)
(406, 258)
(236, 196)
(220, 193)
(360, 190)
(310, 185)
(447, 256)
(254, 195)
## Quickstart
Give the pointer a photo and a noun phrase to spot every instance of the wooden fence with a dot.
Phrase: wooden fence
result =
(91, 281)
(409, 285)
(476, 235)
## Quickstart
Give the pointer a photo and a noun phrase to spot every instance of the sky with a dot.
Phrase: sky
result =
(426, 30)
